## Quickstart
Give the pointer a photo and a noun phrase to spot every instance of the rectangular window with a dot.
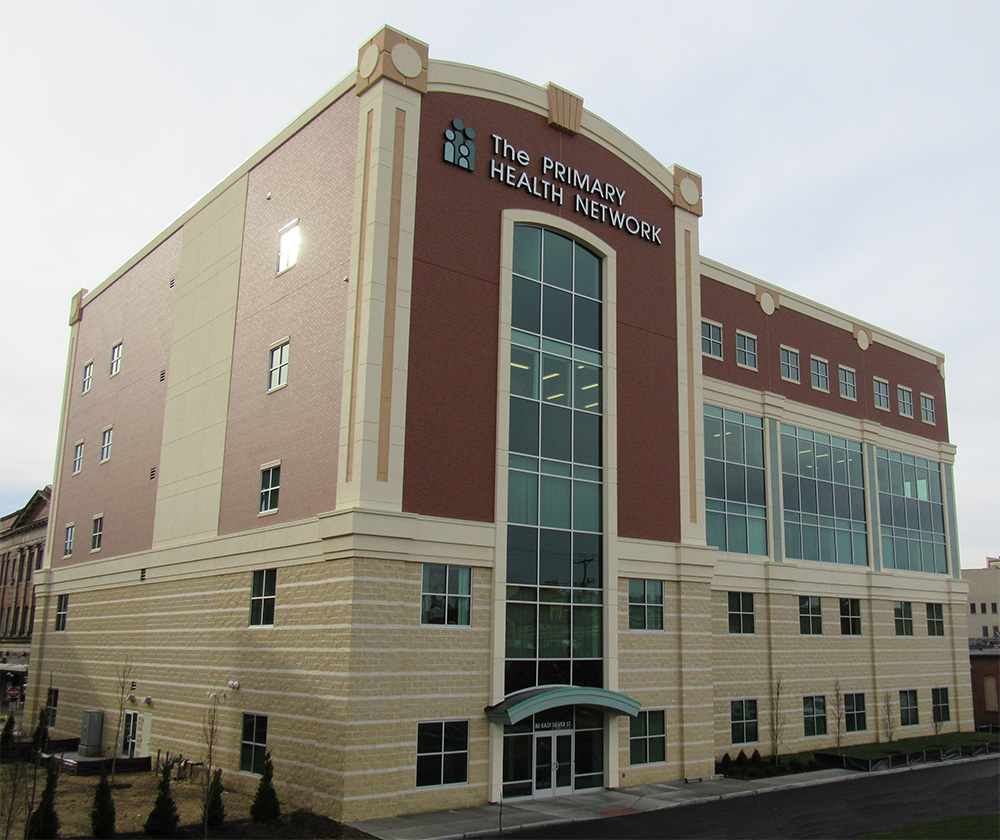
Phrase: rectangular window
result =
(51, 707)
(850, 617)
(88, 376)
(78, 457)
(908, 714)
(741, 612)
(270, 479)
(911, 512)
(289, 242)
(972, 608)
(810, 615)
(881, 391)
(814, 715)
(647, 738)
(116, 359)
(62, 610)
(442, 753)
(746, 350)
(854, 712)
(927, 408)
(106, 444)
(68, 544)
(820, 372)
(939, 705)
(743, 717)
(645, 604)
(262, 597)
(711, 339)
(848, 384)
(904, 396)
(903, 614)
(935, 619)
(97, 533)
(278, 371)
(790, 365)
(253, 748)
(446, 595)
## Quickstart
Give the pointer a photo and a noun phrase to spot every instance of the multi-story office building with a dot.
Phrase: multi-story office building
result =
(430, 441)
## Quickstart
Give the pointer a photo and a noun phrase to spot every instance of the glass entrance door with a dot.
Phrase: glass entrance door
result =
(553, 765)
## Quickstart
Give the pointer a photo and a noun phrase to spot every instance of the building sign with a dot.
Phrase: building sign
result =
(549, 725)
(550, 180)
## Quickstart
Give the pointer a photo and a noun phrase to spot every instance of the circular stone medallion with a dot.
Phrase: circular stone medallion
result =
(407, 60)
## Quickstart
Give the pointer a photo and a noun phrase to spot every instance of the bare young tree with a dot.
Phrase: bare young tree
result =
(123, 682)
(887, 718)
(777, 717)
(210, 734)
(14, 782)
(838, 711)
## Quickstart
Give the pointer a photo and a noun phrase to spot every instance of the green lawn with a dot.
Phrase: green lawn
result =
(976, 827)
(946, 740)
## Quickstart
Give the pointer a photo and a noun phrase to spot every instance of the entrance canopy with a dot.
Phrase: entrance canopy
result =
(531, 701)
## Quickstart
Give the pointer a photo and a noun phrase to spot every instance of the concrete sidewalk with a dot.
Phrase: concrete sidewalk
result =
(485, 820)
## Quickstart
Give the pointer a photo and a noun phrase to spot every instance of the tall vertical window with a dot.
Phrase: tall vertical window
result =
(442, 753)
(88, 376)
(850, 617)
(289, 242)
(820, 374)
(446, 594)
(790, 364)
(97, 533)
(904, 397)
(940, 710)
(746, 350)
(902, 612)
(927, 408)
(62, 610)
(908, 711)
(935, 619)
(263, 584)
(645, 604)
(854, 712)
(848, 384)
(911, 512)
(51, 706)
(823, 495)
(116, 359)
(814, 715)
(647, 738)
(270, 481)
(711, 339)
(78, 457)
(554, 501)
(743, 721)
(810, 615)
(881, 393)
(735, 496)
(106, 437)
(253, 747)
(68, 544)
(741, 612)
(278, 370)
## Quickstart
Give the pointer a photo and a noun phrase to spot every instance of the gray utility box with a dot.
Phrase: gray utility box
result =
(90, 733)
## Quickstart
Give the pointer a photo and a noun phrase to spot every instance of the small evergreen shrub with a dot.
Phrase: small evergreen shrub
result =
(44, 822)
(726, 764)
(162, 820)
(102, 812)
(7, 736)
(40, 737)
(742, 761)
(755, 758)
(214, 813)
(265, 807)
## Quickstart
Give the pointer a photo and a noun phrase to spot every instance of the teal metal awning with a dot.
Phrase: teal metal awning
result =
(531, 701)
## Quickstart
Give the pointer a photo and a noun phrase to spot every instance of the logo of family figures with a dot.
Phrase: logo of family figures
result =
(459, 145)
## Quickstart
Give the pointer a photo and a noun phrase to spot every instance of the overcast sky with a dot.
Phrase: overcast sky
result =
(850, 152)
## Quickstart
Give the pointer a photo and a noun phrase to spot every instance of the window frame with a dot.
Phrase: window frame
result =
(711, 339)
(855, 717)
(97, 533)
(786, 361)
(810, 615)
(928, 412)
(819, 374)
(78, 448)
(288, 257)
(850, 620)
(69, 538)
(442, 754)
(107, 438)
(277, 373)
(87, 380)
(267, 500)
(902, 614)
(51, 707)
(62, 612)
(253, 750)
(450, 600)
(848, 379)
(909, 707)
(940, 705)
(116, 359)
(748, 350)
(646, 605)
(904, 400)
(747, 719)
(814, 715)
(263, 597)
(880, 396)
(739, 617)
(646, 740)
(935, 619)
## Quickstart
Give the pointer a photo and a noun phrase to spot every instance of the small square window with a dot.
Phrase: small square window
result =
(743, 721)
(927, 408)
(711, 339)
(904, 397)
(935, 619)
(442, 753)
(253, 747)
(790, 365)
(262, 597)
(746, 350)
(270, 480)
(88, 376)
(289, 242)
(78, 457)
(854, 712)
(848, 384)
(940, 709)
(908, 712)
(68, 544)
(881, 393)
(278, 370)
(814, 715)
(850, 617)
(645, 604)
(62, 610)
(106, 444)
(903, 615)
(647, 738)
(97, 533)
(446, 595)
(810, 615)
(116, 359)
(820, 373)
(741, 612)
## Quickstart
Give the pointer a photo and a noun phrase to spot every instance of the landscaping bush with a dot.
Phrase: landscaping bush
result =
(214, 813)
(44, 822)
(742, 762)
(726, 764)
(162, 820)
(102, 812)
(265, 807)
(755, 758)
